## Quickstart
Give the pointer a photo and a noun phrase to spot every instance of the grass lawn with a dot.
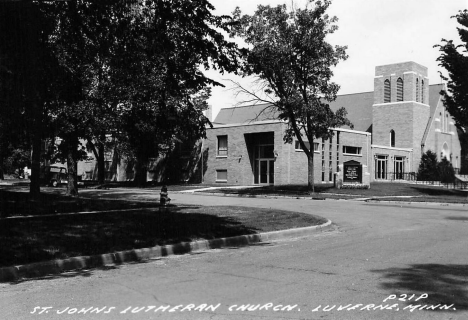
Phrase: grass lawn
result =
(378, 190)
(16, 202)
(53, 236)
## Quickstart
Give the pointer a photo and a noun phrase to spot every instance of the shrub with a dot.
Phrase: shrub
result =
(432, 170)
(445, 171)
(355, 186)
(428, 167)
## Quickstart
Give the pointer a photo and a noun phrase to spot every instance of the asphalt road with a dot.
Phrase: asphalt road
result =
(381, 262)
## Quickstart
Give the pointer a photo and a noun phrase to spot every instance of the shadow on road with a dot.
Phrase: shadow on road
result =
(443, 283)
(457, 218)
(437, 191)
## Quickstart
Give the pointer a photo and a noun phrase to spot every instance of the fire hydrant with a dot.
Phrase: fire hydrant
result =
(163, 197)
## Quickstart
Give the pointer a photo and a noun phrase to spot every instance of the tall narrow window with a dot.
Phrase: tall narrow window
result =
(417, 90)
(387, 91)
(392, 138)
(337, 151)
(422, 91)
(323, 159)
(399, 87)
(381, 167)
(330, 160)
(222, 146)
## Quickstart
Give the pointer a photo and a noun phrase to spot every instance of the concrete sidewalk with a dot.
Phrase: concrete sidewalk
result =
(215, 188)
(363, 199)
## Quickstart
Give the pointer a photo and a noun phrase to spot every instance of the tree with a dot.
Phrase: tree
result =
(445, 171)
(432, 170)
(428, 167)
(84, 41)
(454, 58)
(132, 69)
(163, 91)
(15, 143)
(289, 54)
(26, 70)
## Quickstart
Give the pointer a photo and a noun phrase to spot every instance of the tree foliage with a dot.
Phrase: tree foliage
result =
(445, 171)
(432, 170)
(129, 69)
(427, 170)
(27, 69)
(289, 53)
(84, 41)
(454, 58)
(163, 92)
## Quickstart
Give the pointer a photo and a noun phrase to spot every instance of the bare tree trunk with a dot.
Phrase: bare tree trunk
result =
(310, 175)
(2, 177)
(72, 167)
(141, 171)
(101, 163)
(34, 186)
(98, 152)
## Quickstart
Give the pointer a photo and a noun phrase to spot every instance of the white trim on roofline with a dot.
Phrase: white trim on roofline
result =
(400, 102)
(352, 131)
(216, 125)
(391, 148)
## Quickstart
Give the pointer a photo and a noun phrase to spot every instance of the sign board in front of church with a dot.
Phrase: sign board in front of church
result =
(352, 171)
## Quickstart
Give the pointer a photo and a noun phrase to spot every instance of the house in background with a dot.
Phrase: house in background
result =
(393, 126)
(182, 164)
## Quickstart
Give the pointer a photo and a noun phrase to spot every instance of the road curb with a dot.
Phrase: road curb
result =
(442, 204)
(54, 267)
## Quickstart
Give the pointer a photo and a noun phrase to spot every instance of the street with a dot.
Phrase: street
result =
(385, 261)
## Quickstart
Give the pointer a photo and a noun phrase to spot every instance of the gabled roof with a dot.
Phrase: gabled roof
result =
(245, 114)
(359, 108)
(358, 105)
(434, 97)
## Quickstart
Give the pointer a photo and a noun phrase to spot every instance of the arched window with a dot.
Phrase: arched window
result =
(422, 91)
(387, 91)
(399, 88)
(445, 151)
(417, 90)
(392, 138)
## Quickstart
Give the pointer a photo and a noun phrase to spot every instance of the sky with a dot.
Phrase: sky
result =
(376, 32)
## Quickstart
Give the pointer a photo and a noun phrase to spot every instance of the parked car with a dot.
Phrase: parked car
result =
(54, 175)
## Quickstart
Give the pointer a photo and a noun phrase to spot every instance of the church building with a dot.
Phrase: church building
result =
(393, 126)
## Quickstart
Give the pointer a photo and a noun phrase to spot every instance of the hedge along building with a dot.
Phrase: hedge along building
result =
(393, 125)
